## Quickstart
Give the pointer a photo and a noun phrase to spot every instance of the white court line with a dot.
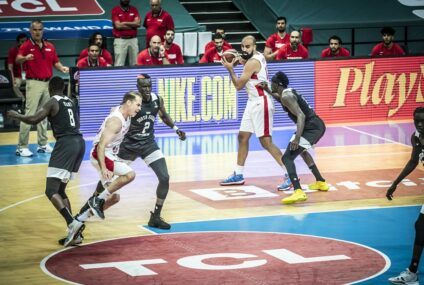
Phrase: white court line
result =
(374, 136)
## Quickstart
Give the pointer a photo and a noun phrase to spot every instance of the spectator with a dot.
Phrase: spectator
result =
(157, 21)
(211, 44)
(126, 20)
(277, 40)
(93, 59)
(335, 49)
(153, 55)
(214, 54)
(387, 47)
(100, 41)
(172, 50)
(295, 50)
(39, 57)
(15, 68)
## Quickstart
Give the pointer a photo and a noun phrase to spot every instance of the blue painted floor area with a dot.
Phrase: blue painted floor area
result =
(389, 230)
(226, 142)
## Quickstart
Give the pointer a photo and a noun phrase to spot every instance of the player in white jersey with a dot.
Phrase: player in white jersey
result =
(105, 149)
(259, 112)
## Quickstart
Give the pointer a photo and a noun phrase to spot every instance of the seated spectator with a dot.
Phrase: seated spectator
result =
(335, 49)
(154, 55)
(295, 50)
(15, 68)
(93, 59)
(387, 47)
(211, 44)
(276, 41)
(99, 40)
(214, 54)
(157, 21)
(172, 50)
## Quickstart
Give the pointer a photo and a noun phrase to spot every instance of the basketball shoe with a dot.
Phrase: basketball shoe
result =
(297, 196)
(77, 240)
(233, 179)
(319, 185)
(406, 277)
(74, 229)
(286, 185)
(96, 205)
(157, 222)
(44, 148)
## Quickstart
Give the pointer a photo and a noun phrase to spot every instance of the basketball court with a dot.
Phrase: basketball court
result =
(222, 235)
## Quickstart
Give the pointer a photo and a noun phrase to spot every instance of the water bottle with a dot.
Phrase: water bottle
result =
(1, 121)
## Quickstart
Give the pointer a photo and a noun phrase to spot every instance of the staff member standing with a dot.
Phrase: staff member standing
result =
(157, 21)
(39, 57)
(126, 20)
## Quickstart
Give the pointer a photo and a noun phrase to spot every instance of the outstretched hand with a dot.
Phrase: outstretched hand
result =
(390, 191)
(181, 134)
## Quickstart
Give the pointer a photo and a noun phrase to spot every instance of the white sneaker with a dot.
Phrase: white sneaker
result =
(74, 229)
(45, 148)
(406, 277)
(23, 152)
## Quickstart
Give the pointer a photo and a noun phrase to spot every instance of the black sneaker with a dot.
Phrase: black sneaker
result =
(157, 222)
(78, 240)
(96, 204)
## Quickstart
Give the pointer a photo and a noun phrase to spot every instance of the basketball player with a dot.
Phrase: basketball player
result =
(104, 153)
(258, 115)
(140, 142)
(410, 276)
(310, 129)
(67, 154)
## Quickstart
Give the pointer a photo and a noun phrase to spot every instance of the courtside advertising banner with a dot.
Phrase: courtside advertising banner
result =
(366, 90)
(197, 97)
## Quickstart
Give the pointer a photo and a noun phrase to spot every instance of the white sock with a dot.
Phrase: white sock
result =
(239, 169)
(85, 216)
(104, 194)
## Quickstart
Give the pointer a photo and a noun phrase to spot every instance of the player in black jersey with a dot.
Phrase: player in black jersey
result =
(140, 142)
(410, 276)
(310, 129)
(67, 154)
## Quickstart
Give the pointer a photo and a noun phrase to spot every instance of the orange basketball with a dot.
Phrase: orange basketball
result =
(230, 54)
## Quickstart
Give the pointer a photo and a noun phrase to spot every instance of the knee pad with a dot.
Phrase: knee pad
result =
(52, 187)
(419, 230)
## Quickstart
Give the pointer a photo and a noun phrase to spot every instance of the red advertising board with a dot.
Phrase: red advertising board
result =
(373, 89)
(31, 8)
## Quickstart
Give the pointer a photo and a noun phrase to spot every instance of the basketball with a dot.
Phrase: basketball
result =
(230, 54)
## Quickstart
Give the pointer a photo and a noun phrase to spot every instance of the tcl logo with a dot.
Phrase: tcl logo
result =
(25, 8)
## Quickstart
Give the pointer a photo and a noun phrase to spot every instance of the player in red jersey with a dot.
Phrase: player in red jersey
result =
(295, 50)
(387, 47)
(335, 49)
(172, 50)
(277, 40)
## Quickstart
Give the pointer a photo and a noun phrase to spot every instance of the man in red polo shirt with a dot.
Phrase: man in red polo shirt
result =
(295, 50)
(93, 59)
(154, 55)
(157, 21)
(277, 40)
(98, 39)
(172, 50)
(387, 47)
(211, 44)
(39, 57)
(126, 20)
(335, 49)
(16, 69)
(214, 54)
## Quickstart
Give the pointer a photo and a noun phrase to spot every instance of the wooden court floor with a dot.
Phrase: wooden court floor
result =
(30, 226)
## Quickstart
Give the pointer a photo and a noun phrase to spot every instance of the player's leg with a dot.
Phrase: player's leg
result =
(245, 132)
(161, 170)
(288, 159)
(320, 183)
(410, 276)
